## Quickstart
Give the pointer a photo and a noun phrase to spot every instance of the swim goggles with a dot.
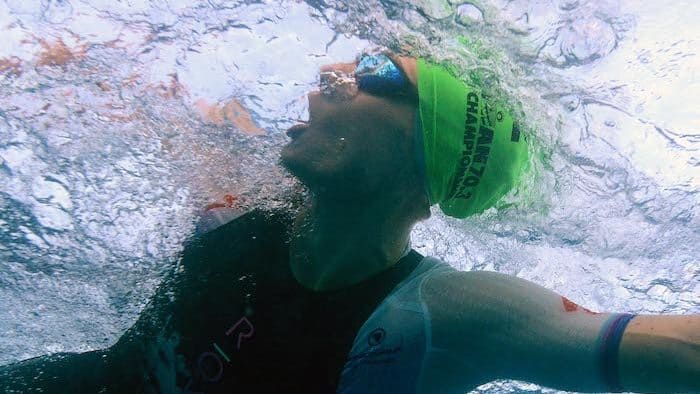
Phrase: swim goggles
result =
(374, 74)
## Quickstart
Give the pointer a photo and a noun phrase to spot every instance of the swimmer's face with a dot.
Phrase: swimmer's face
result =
(355, 144)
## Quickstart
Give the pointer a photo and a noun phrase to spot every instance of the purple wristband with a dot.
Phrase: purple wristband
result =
(610, 339)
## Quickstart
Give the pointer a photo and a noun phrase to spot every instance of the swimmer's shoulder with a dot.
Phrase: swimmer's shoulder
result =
(221, 220)
(255, 236)
(231, 227)
(427, 267)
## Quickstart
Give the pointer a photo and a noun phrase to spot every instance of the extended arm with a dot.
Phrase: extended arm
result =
(506, 327)
(55, 373)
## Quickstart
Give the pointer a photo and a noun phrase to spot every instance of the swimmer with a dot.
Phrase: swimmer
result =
(336, 300)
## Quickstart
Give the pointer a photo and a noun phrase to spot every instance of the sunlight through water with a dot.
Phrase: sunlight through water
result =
(121, 120)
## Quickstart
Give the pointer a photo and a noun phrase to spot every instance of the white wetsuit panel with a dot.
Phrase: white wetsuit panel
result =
(390, 350)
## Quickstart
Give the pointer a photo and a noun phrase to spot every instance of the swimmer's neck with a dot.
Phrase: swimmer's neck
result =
(336, 244)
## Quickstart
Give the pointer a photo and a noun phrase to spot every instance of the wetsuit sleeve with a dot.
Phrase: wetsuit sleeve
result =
(135, 364)
(503, 327)
(53, 374)
(89, 372)
(132, 365)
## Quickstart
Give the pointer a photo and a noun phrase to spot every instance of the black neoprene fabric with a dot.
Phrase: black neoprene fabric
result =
(292, 340)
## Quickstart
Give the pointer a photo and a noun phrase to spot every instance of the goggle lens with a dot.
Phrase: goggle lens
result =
(374, 74)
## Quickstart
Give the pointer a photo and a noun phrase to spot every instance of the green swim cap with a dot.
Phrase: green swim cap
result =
(474, 152)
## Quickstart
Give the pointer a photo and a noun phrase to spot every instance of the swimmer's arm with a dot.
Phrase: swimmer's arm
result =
(125, 366)
(89, 372)
(656, 350)
(509, 328)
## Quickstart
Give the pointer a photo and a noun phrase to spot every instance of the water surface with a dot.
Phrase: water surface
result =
(120, 120)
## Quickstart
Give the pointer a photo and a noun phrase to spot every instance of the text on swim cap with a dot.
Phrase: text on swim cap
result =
(474, 151)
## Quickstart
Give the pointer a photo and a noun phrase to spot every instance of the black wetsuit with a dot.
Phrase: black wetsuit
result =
(244, 324)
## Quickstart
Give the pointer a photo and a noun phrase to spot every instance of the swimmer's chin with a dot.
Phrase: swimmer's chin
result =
(301, 168)
(287, 158)
(291, 162)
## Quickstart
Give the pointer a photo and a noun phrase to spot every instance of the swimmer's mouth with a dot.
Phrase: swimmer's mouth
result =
(296, 130)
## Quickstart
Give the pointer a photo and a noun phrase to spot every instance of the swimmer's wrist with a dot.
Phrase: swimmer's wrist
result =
(610, 338)
(661, 354)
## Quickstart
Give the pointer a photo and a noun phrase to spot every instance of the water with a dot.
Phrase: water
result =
(120, 120)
